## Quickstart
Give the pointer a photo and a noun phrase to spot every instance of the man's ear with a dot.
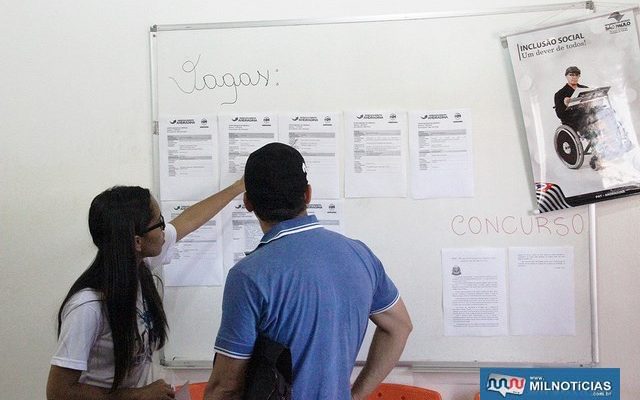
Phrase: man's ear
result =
(307, 195)
(138, 243)
(247, 203)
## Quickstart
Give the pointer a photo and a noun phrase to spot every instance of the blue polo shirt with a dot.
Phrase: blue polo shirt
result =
(312, 290)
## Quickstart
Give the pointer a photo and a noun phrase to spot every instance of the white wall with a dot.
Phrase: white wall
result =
(75, 112)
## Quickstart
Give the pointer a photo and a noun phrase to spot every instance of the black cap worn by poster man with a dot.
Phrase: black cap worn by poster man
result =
(275, 176)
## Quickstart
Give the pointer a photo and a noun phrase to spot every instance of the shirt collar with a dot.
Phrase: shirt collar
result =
(289, 227)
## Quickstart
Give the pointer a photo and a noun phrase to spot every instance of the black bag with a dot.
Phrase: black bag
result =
(269, 374)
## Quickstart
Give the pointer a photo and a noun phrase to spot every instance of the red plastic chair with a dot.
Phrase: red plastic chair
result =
(196, 390)
(392, 391)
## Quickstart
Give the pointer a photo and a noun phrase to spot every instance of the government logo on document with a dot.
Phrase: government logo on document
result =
(506, 384)
(618, 25)
(616, 15)
(188, 121)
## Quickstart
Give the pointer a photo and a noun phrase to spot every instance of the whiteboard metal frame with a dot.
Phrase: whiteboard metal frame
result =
(589, 5)
(458, 367)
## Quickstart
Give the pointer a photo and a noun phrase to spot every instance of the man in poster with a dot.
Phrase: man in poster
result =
(563, 96)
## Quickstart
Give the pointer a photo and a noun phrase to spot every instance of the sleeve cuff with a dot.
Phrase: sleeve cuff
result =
(383, 309)
(231, 354)
(67, 363)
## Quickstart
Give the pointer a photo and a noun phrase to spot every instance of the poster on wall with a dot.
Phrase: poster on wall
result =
(579, 88)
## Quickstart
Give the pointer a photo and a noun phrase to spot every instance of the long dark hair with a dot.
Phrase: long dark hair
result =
(115, 217)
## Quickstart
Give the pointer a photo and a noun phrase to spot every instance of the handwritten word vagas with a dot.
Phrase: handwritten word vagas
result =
(193, 82)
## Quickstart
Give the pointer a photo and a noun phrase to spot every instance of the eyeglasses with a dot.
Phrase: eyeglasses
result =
(160, 225)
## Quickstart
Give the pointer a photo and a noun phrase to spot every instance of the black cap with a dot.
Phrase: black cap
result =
(572, 70)
(275, 176)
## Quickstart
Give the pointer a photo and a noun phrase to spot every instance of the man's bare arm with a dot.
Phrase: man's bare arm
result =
(227, 379)
(392, 330)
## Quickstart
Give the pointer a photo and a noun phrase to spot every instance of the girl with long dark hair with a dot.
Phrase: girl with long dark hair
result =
(112, 319)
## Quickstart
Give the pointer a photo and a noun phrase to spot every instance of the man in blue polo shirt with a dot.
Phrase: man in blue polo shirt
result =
(307, 288)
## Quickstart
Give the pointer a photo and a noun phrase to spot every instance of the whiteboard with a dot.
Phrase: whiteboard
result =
(422, 64)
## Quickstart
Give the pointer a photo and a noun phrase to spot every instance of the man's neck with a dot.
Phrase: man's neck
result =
(574, 87)
(267, 225)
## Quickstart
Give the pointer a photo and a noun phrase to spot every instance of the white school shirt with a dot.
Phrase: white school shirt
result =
(85, 343)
